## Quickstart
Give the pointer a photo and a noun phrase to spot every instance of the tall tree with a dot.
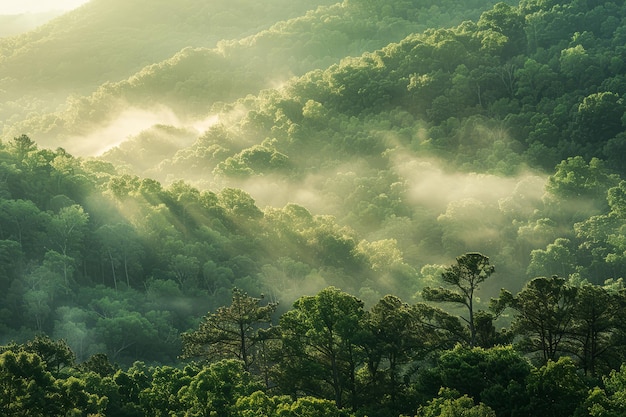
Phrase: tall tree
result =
(22, 146)
(23, 222)
(394, 337)
(397, 335)
(463, 278)
(597, 320)
(120, 247)
(321, 346)
(67, 230)
(544, 313)
(231, 332)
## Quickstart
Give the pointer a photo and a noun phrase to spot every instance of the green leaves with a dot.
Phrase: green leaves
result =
(256, 160)
(556, 389)
(260, 405)
(216, 389)
(475, 371)
(321, 345)
(450, 404)
(575, 178)
(232, 332)
(442, 295)
(470, 270)
(25, 385)
(599, 117)
(464, 278)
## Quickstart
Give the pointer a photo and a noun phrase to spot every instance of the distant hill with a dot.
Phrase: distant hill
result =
(191, 81)
(511, 79)
(11, 25)
(380, 140)
(108, 40)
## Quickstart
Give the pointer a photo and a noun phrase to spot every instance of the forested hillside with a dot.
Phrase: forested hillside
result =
(293, 209)
(188, 84)
(11, 25)
(106, 41)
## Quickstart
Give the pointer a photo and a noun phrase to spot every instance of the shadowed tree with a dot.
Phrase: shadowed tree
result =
(597, 320)
(23, 222)
(464, 278)
(394, 337)
(598, 118)
(231, 332)
(120, 247)
(544, 314)
(321, 349)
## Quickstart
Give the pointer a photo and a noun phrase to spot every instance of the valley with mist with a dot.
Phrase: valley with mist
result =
(290, 208)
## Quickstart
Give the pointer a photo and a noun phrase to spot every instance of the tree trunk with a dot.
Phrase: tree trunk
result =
(113, 270)
(126, 271)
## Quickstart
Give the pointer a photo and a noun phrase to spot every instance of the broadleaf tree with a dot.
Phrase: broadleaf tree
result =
(321, 346)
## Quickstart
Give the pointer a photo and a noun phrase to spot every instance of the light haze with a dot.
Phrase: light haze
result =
(8, 7)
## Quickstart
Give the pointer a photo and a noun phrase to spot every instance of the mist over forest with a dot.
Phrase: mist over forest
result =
(356, 208)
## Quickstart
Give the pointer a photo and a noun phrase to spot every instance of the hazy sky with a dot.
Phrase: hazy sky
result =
(34, 6)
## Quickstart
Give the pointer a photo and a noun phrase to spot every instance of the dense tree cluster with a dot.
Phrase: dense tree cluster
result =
(507, 89)
(329, 355)
(106, 41)
(116, 263)
(199, 71)
(491, 96)
(204, 72)
(501, 135)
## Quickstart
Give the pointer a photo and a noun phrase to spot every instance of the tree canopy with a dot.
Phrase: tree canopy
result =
(297, 208)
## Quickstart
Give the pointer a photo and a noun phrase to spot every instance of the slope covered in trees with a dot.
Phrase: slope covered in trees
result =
(499, 136)
(489, 96)
(329, 355)
(15, 24)
(135, 33)
(365, 135)
(106, 41)
(199, 75)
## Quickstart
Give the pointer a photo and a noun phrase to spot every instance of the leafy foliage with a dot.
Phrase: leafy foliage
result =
(232, 331)
(369, 169)
(464, 279)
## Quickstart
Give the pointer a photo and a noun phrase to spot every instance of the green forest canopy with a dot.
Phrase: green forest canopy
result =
(371, 169)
